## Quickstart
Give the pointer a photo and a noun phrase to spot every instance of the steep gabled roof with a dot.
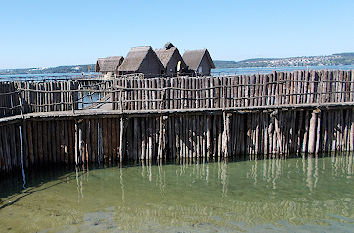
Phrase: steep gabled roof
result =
(108, 64)
(165, 55)
(135, 58)
(167, 52)
(193, 58)
(168, 45)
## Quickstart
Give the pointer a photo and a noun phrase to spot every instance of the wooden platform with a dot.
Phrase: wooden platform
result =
(277, 114)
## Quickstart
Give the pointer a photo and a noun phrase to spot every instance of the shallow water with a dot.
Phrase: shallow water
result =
(293, 195)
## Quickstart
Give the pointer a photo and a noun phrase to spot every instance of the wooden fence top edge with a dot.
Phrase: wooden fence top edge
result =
(134, 113)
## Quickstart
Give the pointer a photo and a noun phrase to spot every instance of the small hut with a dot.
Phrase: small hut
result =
(109, 64)
(141, 60)
(170, 58)
(199, 61)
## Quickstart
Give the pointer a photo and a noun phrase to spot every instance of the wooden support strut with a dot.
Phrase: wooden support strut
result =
(226, 134)
(123, 122)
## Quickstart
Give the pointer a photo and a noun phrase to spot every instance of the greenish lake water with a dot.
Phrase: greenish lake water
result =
(273, 195)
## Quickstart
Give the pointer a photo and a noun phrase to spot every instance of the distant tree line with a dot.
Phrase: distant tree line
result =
(335, 59)
(51, 70)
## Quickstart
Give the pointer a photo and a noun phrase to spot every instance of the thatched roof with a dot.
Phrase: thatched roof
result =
(166, 53)
(168, 45)
(193, 58)
(108, 64)
(135, 58)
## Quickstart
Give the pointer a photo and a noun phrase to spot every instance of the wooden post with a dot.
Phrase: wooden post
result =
(135, 138)
(76, 143)
(143, 140)
(226, 134)
(161, 138)
(30, 142)
(312, 132)
(121, 140)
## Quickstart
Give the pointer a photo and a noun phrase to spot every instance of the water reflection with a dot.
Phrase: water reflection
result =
(191, 195)
(81, 175)
(270, 173)
(121, 184)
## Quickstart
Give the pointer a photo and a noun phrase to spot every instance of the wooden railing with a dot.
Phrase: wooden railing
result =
(137, 94)
(283, 89)
(9, 99)
(30, 97)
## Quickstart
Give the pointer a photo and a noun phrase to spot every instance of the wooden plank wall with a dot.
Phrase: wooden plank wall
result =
(227, 92)
(111, 140)
(9, 100)
(48, 96)
(275, 89)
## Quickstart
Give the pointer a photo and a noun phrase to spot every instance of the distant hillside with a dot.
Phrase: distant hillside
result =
(335, 59)
(46, 70)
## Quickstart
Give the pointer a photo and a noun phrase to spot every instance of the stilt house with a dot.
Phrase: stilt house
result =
(171, 60)
(142, 60)
(109, 64)
(199, 62)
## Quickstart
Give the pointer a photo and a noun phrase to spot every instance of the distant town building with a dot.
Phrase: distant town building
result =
(171, 60)
(109, 64)
(199, 61)
(141, 60)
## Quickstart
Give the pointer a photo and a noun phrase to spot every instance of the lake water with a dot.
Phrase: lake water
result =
(293, 195)
(226, 71)
(266, 70)
(44, 77)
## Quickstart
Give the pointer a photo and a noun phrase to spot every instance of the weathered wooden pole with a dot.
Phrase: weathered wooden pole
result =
(226, 134)
(76, 143)
(121, 140)
(312, 132)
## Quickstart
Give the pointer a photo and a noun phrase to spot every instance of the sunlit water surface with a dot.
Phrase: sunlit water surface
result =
(293, 195)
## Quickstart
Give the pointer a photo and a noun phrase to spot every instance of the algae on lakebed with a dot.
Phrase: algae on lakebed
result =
(298, 195)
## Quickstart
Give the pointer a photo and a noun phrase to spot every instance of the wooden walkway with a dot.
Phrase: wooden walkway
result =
(136, 95)
(131, 118)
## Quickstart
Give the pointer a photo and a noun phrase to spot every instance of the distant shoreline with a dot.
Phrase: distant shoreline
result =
(266, 70)
(9, 73)
(215, 72)
(339, 59)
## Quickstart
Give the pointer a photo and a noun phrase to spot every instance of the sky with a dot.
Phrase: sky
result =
(44, 33)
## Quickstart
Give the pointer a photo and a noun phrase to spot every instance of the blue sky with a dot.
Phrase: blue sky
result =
(50, 33)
